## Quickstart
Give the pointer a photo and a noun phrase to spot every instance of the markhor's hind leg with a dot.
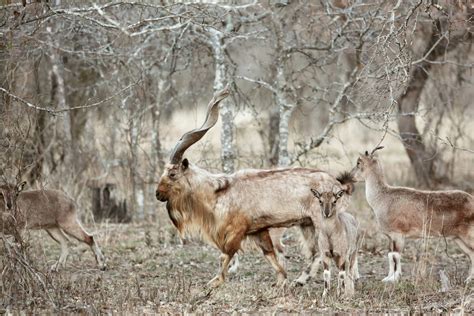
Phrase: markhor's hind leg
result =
(235, 264)
(470, 252)
(310, 271)
(276, 235)
(309, 245)
(264, 241)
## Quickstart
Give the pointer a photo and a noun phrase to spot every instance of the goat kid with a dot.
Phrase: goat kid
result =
(338, 237)
(226, 209)
(50, 210)
(410, 213)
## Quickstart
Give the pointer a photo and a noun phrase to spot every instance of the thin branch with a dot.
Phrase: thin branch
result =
(56, 112)
(260, 82)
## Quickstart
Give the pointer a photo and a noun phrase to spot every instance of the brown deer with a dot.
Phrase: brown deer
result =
(50, 210)
(409, 213)
(225, 209)
(338, 236)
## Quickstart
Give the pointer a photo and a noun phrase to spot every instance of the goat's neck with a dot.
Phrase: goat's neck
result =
(375, 186)
(331, 225)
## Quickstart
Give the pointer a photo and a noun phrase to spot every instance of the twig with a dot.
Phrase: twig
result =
(56, 112)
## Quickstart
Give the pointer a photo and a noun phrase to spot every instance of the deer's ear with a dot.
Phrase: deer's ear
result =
(316, 193)
(185, 164)
(20, 186)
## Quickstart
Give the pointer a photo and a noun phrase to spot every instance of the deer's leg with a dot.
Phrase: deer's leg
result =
(73, 228)
(264, 241)
(345, 278)
(60, 238)
(326, 274)
(470, 252)
(397, 243)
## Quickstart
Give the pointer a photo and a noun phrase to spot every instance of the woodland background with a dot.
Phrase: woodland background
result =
(94, 94)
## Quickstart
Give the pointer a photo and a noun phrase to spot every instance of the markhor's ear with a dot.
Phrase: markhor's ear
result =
(185, 164)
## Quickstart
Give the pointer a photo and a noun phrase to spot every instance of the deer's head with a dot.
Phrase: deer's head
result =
(9, 194)
(178, 171)
(365, 163)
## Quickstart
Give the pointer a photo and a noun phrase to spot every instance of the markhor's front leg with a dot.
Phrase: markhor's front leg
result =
(219, 279)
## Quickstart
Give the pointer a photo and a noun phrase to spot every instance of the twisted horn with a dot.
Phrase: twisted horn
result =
(375, 149)
(193, 136)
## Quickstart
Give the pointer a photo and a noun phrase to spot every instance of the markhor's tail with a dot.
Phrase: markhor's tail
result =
(347, 181)
(345, 178)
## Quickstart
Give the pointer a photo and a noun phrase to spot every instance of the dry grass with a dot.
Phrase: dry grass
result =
(151, 272)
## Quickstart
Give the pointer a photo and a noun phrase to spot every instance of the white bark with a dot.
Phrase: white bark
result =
(226, 111)
(286, 110)
(156, 159)
(137, 188)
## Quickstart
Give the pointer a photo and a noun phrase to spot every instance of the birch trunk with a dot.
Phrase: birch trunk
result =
(156, 158)
(286, 108)
(137, 187)
(226, 111)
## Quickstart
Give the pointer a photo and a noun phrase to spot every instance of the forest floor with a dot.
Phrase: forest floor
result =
(149, 271)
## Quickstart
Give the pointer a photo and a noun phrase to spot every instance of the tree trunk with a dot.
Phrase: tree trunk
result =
(423, 159)
(226, 112)
(59, 94)
(39, 143)
(156, 158)
(137, 185)
(285, 106)
(285, 116)
(273, 137)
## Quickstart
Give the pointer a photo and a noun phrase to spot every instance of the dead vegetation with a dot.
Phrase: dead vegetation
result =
(150, 272)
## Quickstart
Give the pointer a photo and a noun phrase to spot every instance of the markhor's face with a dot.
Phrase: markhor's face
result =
(171, 180)
(170, 175)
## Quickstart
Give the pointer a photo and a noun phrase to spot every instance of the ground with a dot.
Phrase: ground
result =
(150, 271)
